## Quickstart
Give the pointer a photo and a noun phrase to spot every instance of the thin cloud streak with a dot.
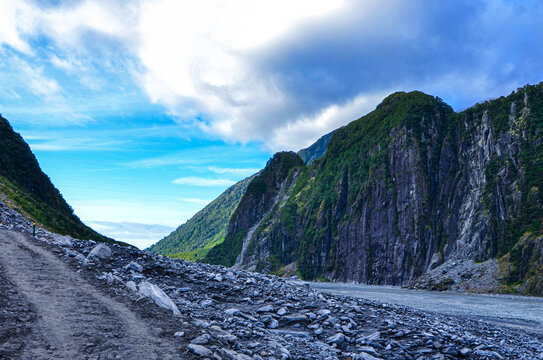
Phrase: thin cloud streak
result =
(204, 182)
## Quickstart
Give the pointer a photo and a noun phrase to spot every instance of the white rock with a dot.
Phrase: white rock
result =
(158, 296)
(66, 241)
(101, 252)
(132, 286)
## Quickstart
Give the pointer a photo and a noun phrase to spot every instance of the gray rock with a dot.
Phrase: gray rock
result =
(232, 312)
(336, 339)
(294, 318)
(158, 296)
(366, 356)
(134, 266)
(200, 350)
(66, 241)
(282, 311)
(266, 308)
(201, 340)
(206, 302)
(131, 286)
(100, 252)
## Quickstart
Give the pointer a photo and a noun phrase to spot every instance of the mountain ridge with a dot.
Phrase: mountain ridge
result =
(29, 191)
(413, 186)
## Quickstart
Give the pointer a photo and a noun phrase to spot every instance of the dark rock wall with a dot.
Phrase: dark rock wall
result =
(407, 187)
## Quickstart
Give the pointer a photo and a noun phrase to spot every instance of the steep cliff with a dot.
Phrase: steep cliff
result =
(408, 187)
(24, 187)
(264, 193)
(193, 239)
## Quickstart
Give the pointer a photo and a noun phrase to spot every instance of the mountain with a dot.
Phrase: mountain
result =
(193, 239)
(407, 189)
(265, 190)
(25, 188)
(317, 150)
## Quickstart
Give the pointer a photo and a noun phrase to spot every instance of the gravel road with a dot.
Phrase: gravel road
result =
(64, 315)
(513, 311)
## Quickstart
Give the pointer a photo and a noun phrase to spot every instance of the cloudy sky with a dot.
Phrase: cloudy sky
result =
(142, 112)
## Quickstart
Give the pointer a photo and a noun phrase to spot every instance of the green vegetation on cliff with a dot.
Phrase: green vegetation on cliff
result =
(24, 187)
(409, 184)
(255, 203)
(193, 239)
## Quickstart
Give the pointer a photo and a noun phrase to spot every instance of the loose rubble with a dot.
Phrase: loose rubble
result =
(226, 314)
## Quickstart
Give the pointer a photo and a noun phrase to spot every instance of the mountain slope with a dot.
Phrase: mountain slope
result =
(24, 187)
(193, 239)
(316, 150)
(411, 186)
(262, 194)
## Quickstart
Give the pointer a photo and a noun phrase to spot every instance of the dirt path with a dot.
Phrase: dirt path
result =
(57, 314)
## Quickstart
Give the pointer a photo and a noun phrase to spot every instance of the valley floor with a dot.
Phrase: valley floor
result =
(509, 310)
(58, 301)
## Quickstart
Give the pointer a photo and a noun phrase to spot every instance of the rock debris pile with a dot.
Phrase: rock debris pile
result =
(225, 314)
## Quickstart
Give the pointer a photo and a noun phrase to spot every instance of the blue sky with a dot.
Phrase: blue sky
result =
(141, 112)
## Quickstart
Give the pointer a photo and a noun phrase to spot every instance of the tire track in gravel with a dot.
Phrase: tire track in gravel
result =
(73, 318)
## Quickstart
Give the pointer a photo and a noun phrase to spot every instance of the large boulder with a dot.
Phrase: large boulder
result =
(158, 296)
(100, 252)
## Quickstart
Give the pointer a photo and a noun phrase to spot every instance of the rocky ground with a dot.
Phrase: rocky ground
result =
(461, 275)
(128, 304)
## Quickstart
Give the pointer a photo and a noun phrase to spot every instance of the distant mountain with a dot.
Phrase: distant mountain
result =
(193, 239)
(25, 188)
(317, 150)
(410, 188)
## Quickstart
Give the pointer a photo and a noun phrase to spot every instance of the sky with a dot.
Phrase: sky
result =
(142, 112)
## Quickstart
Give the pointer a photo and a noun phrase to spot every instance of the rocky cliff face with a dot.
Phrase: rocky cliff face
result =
(264, 192)
(408, 187)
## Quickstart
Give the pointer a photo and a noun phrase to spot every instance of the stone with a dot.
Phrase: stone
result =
(201, 340)
(134, 266)
(65, 241)
(282, 311)
(294, 318)
(131, 286)
(158, 296)
(200, 350)
(232, 312)
(336, 339)
(101, 252)
(206, 302)
(266, 308)
(366, 356)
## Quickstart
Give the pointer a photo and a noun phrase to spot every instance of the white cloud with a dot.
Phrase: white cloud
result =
(141, 235)
(200, 181)
(282, 72)
(305, 131)
(233, 171)
(38, 83)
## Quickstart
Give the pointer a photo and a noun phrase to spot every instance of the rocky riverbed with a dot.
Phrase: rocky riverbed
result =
(198, 311)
